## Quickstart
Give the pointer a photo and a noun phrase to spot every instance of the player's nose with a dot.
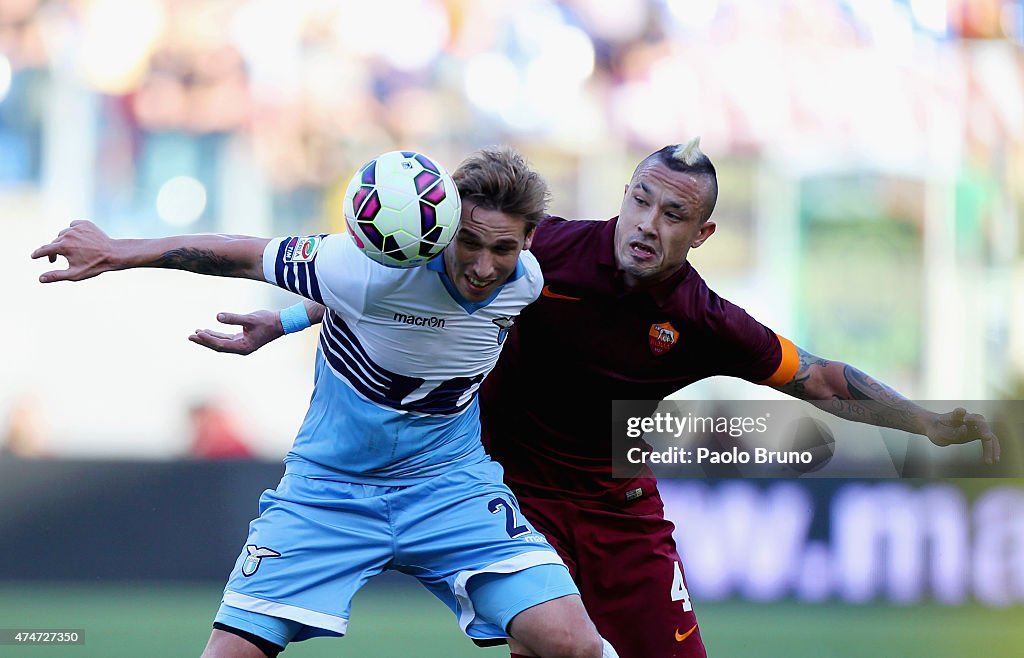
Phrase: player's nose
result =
(645, 223)
(483, 267)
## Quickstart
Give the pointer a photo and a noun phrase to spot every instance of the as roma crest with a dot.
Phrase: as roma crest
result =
(662, 337)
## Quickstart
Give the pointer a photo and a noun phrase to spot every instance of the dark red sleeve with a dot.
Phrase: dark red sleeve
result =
(748, 349)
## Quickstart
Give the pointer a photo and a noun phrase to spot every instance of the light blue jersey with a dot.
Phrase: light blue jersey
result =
(400, 360)
(388, 471)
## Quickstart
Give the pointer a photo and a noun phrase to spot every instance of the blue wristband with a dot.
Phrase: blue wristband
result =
(294, 318)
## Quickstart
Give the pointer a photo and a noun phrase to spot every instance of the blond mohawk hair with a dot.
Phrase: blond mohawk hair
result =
(689, 153)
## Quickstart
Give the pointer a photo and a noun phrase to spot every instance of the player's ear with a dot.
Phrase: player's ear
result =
(705, 232)
(529, 237)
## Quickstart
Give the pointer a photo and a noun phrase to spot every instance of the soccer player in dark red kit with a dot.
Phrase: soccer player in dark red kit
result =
(624, 316)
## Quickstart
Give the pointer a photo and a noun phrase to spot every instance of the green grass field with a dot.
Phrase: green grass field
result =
(392, 620)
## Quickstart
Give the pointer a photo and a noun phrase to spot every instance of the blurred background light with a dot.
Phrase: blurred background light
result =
(5, 76)
(267, 34)
(536, 79)
(930, 15)
(119, 36)
(491, 82)
(181, 201)
(407, 34)
(693, 15)
(620, 21)
(565, 55)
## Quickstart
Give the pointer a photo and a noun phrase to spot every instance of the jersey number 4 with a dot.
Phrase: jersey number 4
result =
(513, 530)
(679, 592)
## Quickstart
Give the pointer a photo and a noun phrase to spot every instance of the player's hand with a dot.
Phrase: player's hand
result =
(258, 329)
(88, 250)
(958, 426)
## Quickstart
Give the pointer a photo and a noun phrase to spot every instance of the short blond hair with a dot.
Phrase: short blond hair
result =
(499, 178)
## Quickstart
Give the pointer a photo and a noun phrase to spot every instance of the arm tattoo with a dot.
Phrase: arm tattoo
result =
(797, 387)
(874, 402)
(201, 261)
(856, 396)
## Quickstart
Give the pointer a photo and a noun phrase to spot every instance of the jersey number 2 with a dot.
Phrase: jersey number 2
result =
(513, 530)
(679, 592)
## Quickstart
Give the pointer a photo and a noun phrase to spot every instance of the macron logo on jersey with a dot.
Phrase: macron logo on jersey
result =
(417, 321)
(301, 250)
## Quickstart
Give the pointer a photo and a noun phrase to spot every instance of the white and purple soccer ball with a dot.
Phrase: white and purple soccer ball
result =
(402, 209)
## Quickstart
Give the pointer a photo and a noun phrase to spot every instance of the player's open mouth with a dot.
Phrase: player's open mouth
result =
(477, 284)
(642, 251)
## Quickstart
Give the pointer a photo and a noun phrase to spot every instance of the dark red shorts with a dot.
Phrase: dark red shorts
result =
(628, 570)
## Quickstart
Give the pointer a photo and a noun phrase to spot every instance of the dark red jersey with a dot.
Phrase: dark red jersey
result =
(588, 340)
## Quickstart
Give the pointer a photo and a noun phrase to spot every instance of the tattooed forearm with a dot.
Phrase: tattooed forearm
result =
(201, 261)
(844, 391)
(863, 387)
(797, 387)
(807, 360)
(871, 401)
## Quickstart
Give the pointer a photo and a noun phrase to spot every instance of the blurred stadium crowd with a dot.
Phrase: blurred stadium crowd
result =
(900, 120)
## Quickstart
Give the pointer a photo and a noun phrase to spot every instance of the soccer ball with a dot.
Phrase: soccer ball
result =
(402, 209)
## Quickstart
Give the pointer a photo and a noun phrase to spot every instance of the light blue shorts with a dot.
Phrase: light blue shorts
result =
(316, 542)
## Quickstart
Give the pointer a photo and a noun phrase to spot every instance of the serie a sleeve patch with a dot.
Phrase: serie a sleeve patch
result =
(302, 250)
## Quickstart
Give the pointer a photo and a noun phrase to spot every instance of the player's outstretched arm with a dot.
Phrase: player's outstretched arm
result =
(91, 252)
(863, 398)
(258, 329)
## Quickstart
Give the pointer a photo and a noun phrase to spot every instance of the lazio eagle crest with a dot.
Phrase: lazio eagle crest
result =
(255, 556)
(504, 326)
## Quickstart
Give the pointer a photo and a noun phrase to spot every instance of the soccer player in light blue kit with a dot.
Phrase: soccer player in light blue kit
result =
(387, 471)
